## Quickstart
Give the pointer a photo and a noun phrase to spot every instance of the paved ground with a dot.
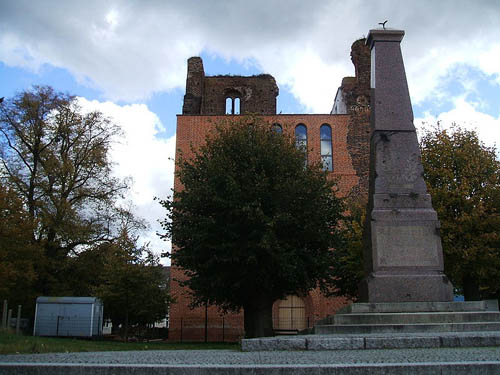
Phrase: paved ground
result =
(437, 361)
(226, 357)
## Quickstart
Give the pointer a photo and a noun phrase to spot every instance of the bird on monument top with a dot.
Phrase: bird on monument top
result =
(383, 24)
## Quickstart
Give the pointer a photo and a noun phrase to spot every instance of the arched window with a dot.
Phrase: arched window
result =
(326, 147)
(237, 106)
(301, 140)
(277, 128)
(232, 105)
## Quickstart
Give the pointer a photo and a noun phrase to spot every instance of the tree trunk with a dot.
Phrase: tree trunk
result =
(126, 325)
(259, 318)
(471, 289)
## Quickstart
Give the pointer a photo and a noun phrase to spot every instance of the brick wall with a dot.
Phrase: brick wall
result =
(206, 95)
(204, 103)
(192, 131)
(357, 97)
(257, 94)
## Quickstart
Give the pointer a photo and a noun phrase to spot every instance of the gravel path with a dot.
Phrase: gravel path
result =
(228, 357)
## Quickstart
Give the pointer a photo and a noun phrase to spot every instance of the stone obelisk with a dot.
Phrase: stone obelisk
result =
(403, 254)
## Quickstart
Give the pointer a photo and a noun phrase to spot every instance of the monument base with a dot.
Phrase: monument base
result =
(406, 288)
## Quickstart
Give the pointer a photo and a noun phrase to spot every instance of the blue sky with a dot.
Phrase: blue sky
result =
(128, 59)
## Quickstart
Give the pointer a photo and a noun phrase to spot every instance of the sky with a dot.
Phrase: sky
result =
(128, 60)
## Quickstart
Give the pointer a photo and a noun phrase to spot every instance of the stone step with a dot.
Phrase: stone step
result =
(415, 318)
(374, 341)
(406, 328)
(456, 368)
(486, 305)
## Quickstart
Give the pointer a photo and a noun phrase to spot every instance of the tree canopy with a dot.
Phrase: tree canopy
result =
(251, 223)
(55, 157)
(132, 283)
(62, 228)
(18, 255)
(463, 178)
(348, 260)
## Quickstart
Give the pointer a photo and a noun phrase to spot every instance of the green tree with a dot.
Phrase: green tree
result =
(251, 224)
(348, 260)
(55, 157)
(463, 178)
(132, 284)
(18, 254)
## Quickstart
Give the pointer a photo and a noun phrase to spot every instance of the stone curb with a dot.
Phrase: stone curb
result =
(443, 368)
(319, 342)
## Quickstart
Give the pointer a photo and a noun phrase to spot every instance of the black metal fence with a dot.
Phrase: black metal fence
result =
(227, 330)
(207, 330)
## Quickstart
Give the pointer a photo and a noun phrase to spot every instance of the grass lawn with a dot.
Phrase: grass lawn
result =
(12, 344)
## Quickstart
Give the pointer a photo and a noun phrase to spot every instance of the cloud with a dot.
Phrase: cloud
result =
(145, 157)
(467, 115)
(131, 49)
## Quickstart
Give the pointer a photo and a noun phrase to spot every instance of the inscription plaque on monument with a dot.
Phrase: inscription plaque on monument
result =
(403, 254)
(406, 246)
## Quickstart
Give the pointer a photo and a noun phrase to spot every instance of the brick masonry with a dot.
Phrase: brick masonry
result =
(204, 105)
(207, 94)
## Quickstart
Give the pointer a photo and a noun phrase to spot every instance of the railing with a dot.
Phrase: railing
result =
(210, 330)
(227, 330)
(9, 322)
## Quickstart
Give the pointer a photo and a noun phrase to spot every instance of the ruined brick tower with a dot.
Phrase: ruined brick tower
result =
(340, 139)
(208, 95)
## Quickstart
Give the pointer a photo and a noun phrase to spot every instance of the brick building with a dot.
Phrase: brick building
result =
(340, 139)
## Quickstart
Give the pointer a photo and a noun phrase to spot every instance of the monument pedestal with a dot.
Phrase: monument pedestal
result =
(403, 254)
(380, 287)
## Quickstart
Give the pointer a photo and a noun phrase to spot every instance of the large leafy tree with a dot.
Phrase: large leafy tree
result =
(18, 255)
(251, 224)
(55, 157)
(348, 260)
(463, 178)
(132, 283)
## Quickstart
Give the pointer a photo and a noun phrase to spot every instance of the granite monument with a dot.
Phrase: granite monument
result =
(403, 254)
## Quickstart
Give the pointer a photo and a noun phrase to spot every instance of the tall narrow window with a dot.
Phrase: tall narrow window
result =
(326, 147)
(277, 128)
(301, 140)
(237, 106)
(232, 106)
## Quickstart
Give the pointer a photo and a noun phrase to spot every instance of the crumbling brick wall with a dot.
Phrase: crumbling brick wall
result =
(357, 99)
(206, 95)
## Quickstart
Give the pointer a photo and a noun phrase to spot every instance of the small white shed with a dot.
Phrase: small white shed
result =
(68, 316)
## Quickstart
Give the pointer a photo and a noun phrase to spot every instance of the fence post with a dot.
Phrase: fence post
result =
(206, 322)
(18, 320)
(181, 329)
(222, 328)
(4, 314)
(9, 317)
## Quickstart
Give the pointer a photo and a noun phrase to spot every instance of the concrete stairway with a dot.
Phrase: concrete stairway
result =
(413, 317)
(396, 326)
